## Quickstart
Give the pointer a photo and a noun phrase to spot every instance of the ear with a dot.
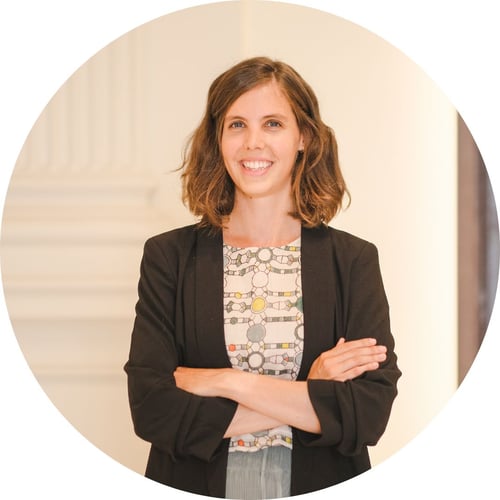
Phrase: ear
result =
(301, 143)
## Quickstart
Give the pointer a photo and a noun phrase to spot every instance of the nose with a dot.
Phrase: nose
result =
(254, 138)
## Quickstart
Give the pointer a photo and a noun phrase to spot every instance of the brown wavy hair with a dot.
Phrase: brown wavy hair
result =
(318, 186)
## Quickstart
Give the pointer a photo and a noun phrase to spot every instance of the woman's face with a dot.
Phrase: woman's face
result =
(260, 141)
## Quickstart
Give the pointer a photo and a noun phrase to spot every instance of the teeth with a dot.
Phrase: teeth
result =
(256, 165)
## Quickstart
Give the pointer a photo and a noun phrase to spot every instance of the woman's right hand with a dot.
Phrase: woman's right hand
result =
(348, 360)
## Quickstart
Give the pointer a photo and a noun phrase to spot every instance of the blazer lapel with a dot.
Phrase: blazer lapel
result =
(319, 296)
(209, 313)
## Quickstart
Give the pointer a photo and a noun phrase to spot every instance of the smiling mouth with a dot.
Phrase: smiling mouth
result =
(256, 165)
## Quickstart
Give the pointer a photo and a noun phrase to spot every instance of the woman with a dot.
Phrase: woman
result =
(261, 362)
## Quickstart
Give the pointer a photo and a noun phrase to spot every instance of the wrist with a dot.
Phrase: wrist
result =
(230, 381)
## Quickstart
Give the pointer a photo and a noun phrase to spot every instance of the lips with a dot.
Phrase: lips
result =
(256, 165)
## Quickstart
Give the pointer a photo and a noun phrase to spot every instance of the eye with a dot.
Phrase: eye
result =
(273, 123)
(236, 124)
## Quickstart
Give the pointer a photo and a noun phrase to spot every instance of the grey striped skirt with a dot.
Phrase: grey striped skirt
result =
(260, 474)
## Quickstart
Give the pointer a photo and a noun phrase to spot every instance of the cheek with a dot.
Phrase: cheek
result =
(224, 151)
(228, 150)
(290, 153)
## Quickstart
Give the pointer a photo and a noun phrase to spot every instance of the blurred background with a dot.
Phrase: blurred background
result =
(96, 177)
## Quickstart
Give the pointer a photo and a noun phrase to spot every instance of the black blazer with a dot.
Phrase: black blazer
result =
(179, 321)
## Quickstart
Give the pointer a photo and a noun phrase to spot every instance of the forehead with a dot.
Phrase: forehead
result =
(265, 97)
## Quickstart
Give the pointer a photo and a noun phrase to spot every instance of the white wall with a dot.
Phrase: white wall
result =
(95, 179)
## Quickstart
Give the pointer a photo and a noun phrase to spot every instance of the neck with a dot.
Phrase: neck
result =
(261, 222)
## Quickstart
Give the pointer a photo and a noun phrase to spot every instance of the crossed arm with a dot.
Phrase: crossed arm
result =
(265, 402)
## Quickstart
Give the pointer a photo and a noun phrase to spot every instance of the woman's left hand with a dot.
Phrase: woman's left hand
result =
(348, 360)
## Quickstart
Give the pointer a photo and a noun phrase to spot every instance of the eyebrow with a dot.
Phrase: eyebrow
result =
(279, 116)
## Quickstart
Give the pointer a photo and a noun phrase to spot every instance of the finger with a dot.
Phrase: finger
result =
(341, 355)
(362, 357)
(356, 372)
(338, 354)
(338, 365)
(348, 345)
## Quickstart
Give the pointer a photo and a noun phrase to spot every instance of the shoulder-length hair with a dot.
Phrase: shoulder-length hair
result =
(318, 186)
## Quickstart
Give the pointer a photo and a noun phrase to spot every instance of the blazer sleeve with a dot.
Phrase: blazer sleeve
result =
(354, 414)
(175, 421)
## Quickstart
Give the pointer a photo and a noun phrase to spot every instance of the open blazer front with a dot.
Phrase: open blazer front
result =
(179, 322)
